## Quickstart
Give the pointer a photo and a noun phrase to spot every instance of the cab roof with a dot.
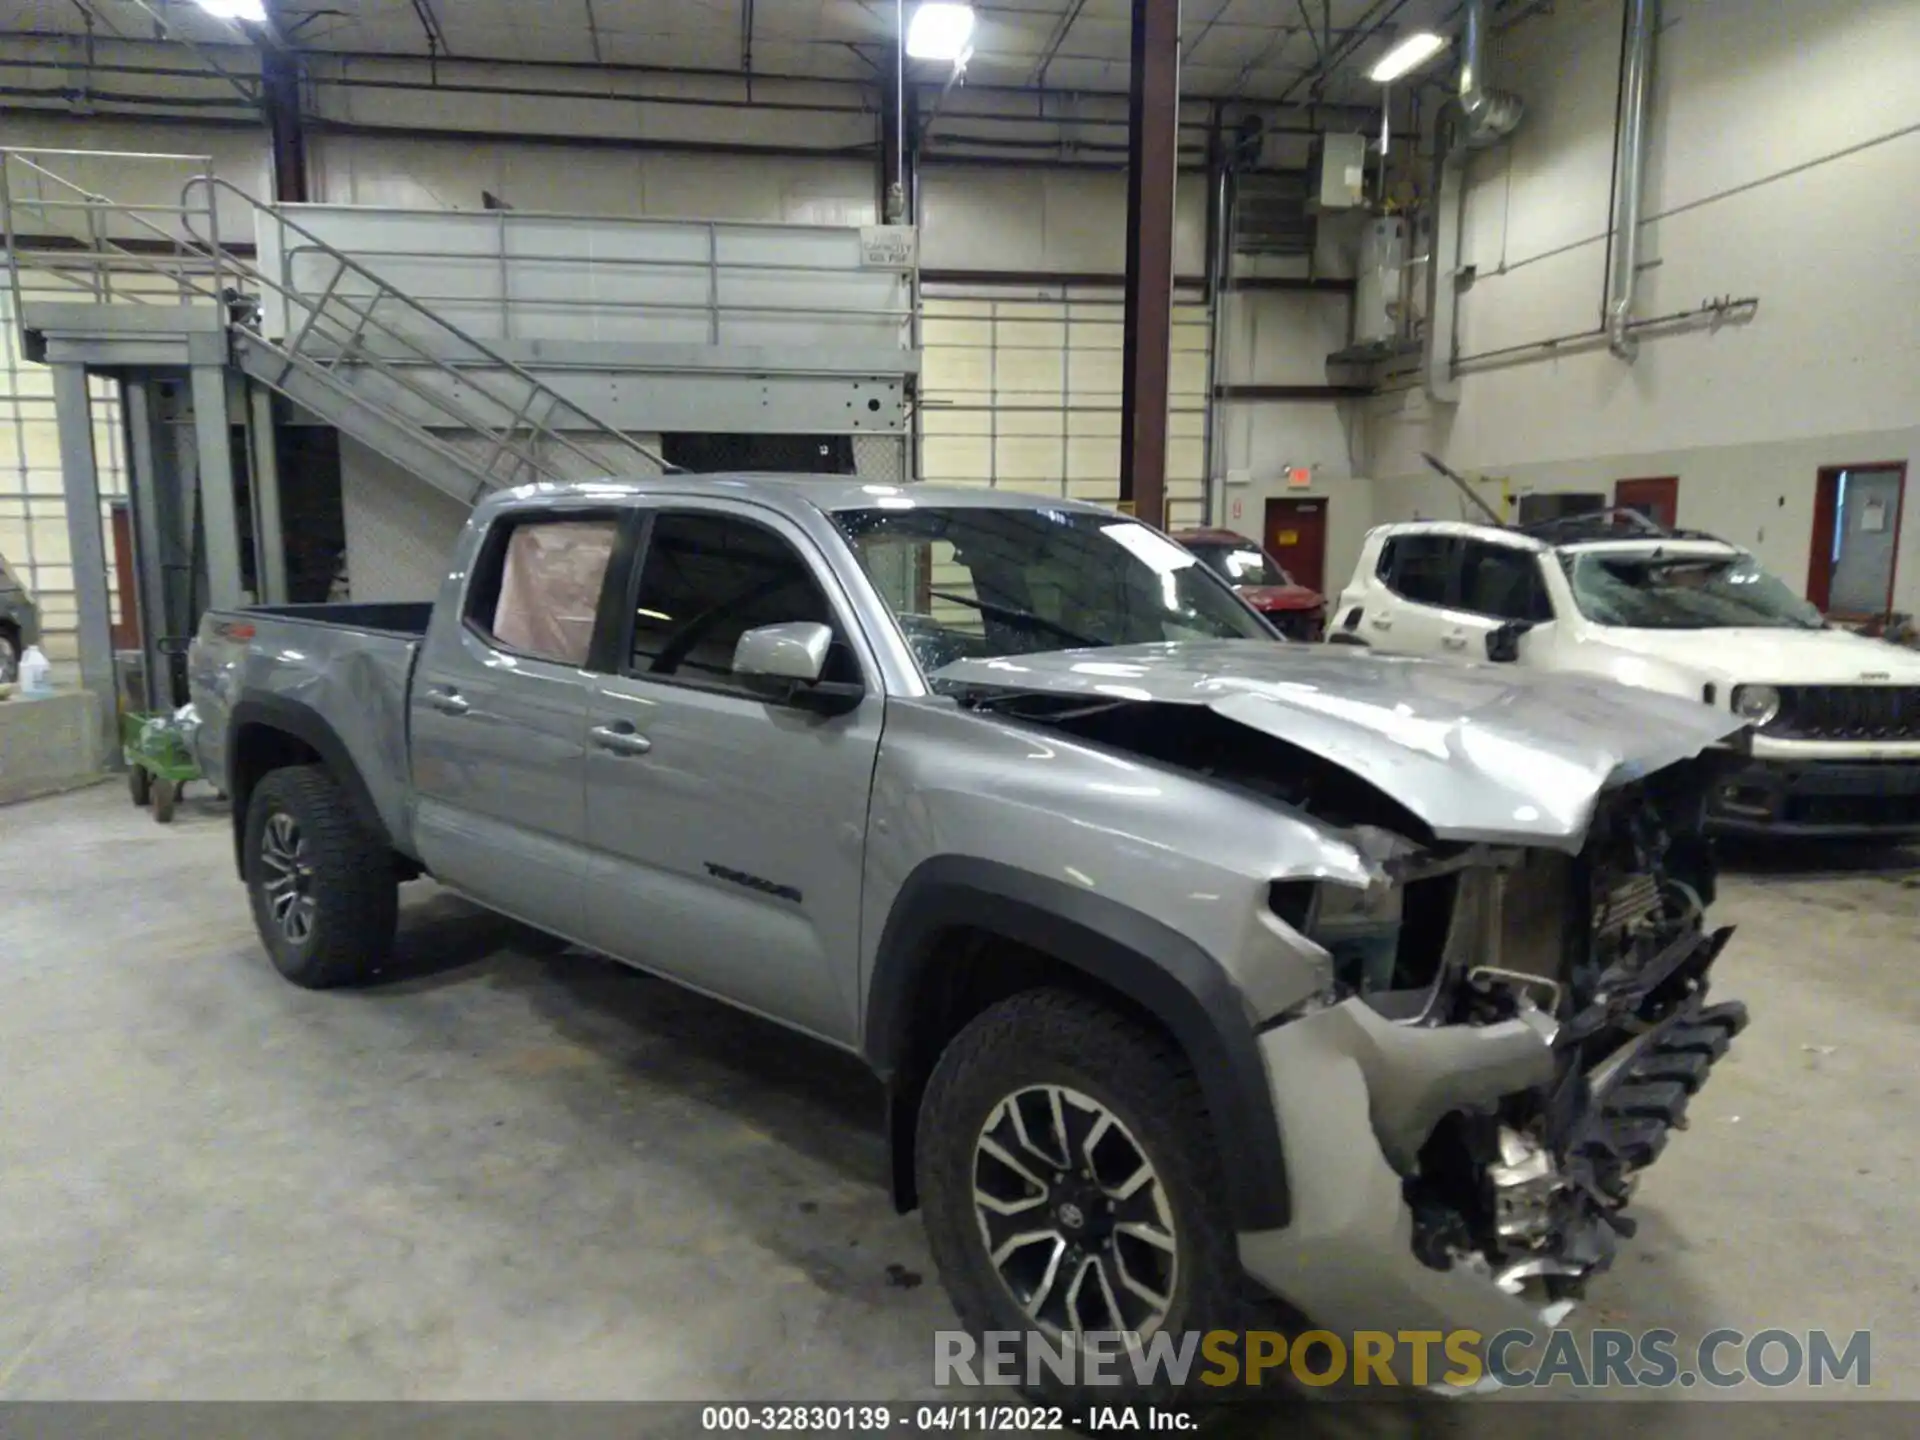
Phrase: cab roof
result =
(827, 493)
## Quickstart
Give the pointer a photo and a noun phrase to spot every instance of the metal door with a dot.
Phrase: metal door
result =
(728, 832)
(498, 740)
(1296, 536)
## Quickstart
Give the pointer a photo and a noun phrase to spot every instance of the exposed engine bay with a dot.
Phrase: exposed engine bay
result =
(1604, 953)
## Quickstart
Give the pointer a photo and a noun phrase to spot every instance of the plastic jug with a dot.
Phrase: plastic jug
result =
(36, 672)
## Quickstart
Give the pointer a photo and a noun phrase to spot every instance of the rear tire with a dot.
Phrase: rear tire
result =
(166, 793)
(1120, 1080)
(140, 785)
(9, 657)
(325, 900)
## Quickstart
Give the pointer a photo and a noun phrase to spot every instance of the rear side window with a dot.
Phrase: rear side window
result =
(1502, 583)
(1418, 567)
(536, 588)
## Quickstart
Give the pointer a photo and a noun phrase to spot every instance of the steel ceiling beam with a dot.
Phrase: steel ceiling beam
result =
(280, 106)
(1356, 35)
(508, 62)
(1055, 41)
(593, 30)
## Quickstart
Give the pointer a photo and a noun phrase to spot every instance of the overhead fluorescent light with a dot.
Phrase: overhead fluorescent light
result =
(254, 10)
(937, 31)
(1409, 54)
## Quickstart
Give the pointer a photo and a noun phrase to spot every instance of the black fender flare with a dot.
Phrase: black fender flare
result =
(1153, 965)
(312, 729)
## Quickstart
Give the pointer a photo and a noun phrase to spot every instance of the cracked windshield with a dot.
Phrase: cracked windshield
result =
(969, 582)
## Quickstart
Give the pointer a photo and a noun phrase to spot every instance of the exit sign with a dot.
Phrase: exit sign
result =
(1299, 477)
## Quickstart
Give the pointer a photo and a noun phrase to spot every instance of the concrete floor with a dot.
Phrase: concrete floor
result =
(522, 1173)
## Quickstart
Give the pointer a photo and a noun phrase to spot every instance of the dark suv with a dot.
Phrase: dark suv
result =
(19, 622)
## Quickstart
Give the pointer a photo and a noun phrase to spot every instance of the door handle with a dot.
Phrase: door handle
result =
(620, 742)
(448, 702)
(1454, 642)
(1380, 622)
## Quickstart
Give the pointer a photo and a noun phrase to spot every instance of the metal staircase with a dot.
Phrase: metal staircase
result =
(358, 352)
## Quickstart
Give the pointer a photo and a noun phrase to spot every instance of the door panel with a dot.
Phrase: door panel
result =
(499, 784)
(1415, 572)
(498, 719)
(729, 854)
(1495, 585)
(1296, 535)
(727, 830)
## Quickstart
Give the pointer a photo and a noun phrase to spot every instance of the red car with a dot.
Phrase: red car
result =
(1259, 580)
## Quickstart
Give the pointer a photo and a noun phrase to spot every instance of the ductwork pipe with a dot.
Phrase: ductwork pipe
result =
(1629, 174)
(1491, 115)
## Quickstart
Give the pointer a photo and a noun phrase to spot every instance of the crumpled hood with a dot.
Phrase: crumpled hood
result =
(1479, 752)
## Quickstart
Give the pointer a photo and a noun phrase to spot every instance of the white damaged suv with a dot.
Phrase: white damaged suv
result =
(1835, 716)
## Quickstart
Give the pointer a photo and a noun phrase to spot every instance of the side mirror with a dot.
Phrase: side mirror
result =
(785, 662)
(1503, 644)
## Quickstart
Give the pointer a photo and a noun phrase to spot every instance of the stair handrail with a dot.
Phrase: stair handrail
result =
(93, 204)
(198, 251)
(385, 289)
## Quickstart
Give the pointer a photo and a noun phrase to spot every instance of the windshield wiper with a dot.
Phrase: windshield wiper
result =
(1013, 615)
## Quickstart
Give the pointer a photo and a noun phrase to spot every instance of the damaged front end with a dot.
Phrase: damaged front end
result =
(1510, 992)
(1574, 988)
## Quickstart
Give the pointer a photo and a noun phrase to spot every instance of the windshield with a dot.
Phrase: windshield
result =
(1648, 590)
(1241, 564)
(975, 583)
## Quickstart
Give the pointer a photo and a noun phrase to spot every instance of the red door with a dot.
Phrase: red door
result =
(1658, 500)
(1296, 536)
(126, 609)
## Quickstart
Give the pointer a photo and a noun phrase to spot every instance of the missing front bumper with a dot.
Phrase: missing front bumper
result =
(1357, 1095)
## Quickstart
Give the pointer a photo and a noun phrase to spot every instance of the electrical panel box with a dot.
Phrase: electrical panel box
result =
(1340, 172)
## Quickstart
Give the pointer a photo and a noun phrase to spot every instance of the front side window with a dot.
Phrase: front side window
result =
(1652, 590)
(970, 582)
(1418, 567)
(536, 589)
(707, 579)
(1502, 583)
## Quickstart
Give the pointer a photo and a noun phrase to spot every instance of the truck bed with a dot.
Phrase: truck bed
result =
(336, 676)
(383, 617)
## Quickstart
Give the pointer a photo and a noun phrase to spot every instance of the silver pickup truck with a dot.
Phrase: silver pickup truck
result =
(1185, 954)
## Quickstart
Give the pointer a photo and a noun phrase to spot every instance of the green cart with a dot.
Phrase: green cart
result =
(159, 764)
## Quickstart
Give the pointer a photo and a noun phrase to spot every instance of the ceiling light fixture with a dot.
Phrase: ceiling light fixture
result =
(254, 10)
(1409, 54)
(936, 32)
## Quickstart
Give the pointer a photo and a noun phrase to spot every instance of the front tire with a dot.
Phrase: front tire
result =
(1071, 1182)
(324, 895)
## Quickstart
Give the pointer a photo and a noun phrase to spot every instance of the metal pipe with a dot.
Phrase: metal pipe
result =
(1728, 309)
(1447, 189)
(1630, 163)
(1491, 115)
